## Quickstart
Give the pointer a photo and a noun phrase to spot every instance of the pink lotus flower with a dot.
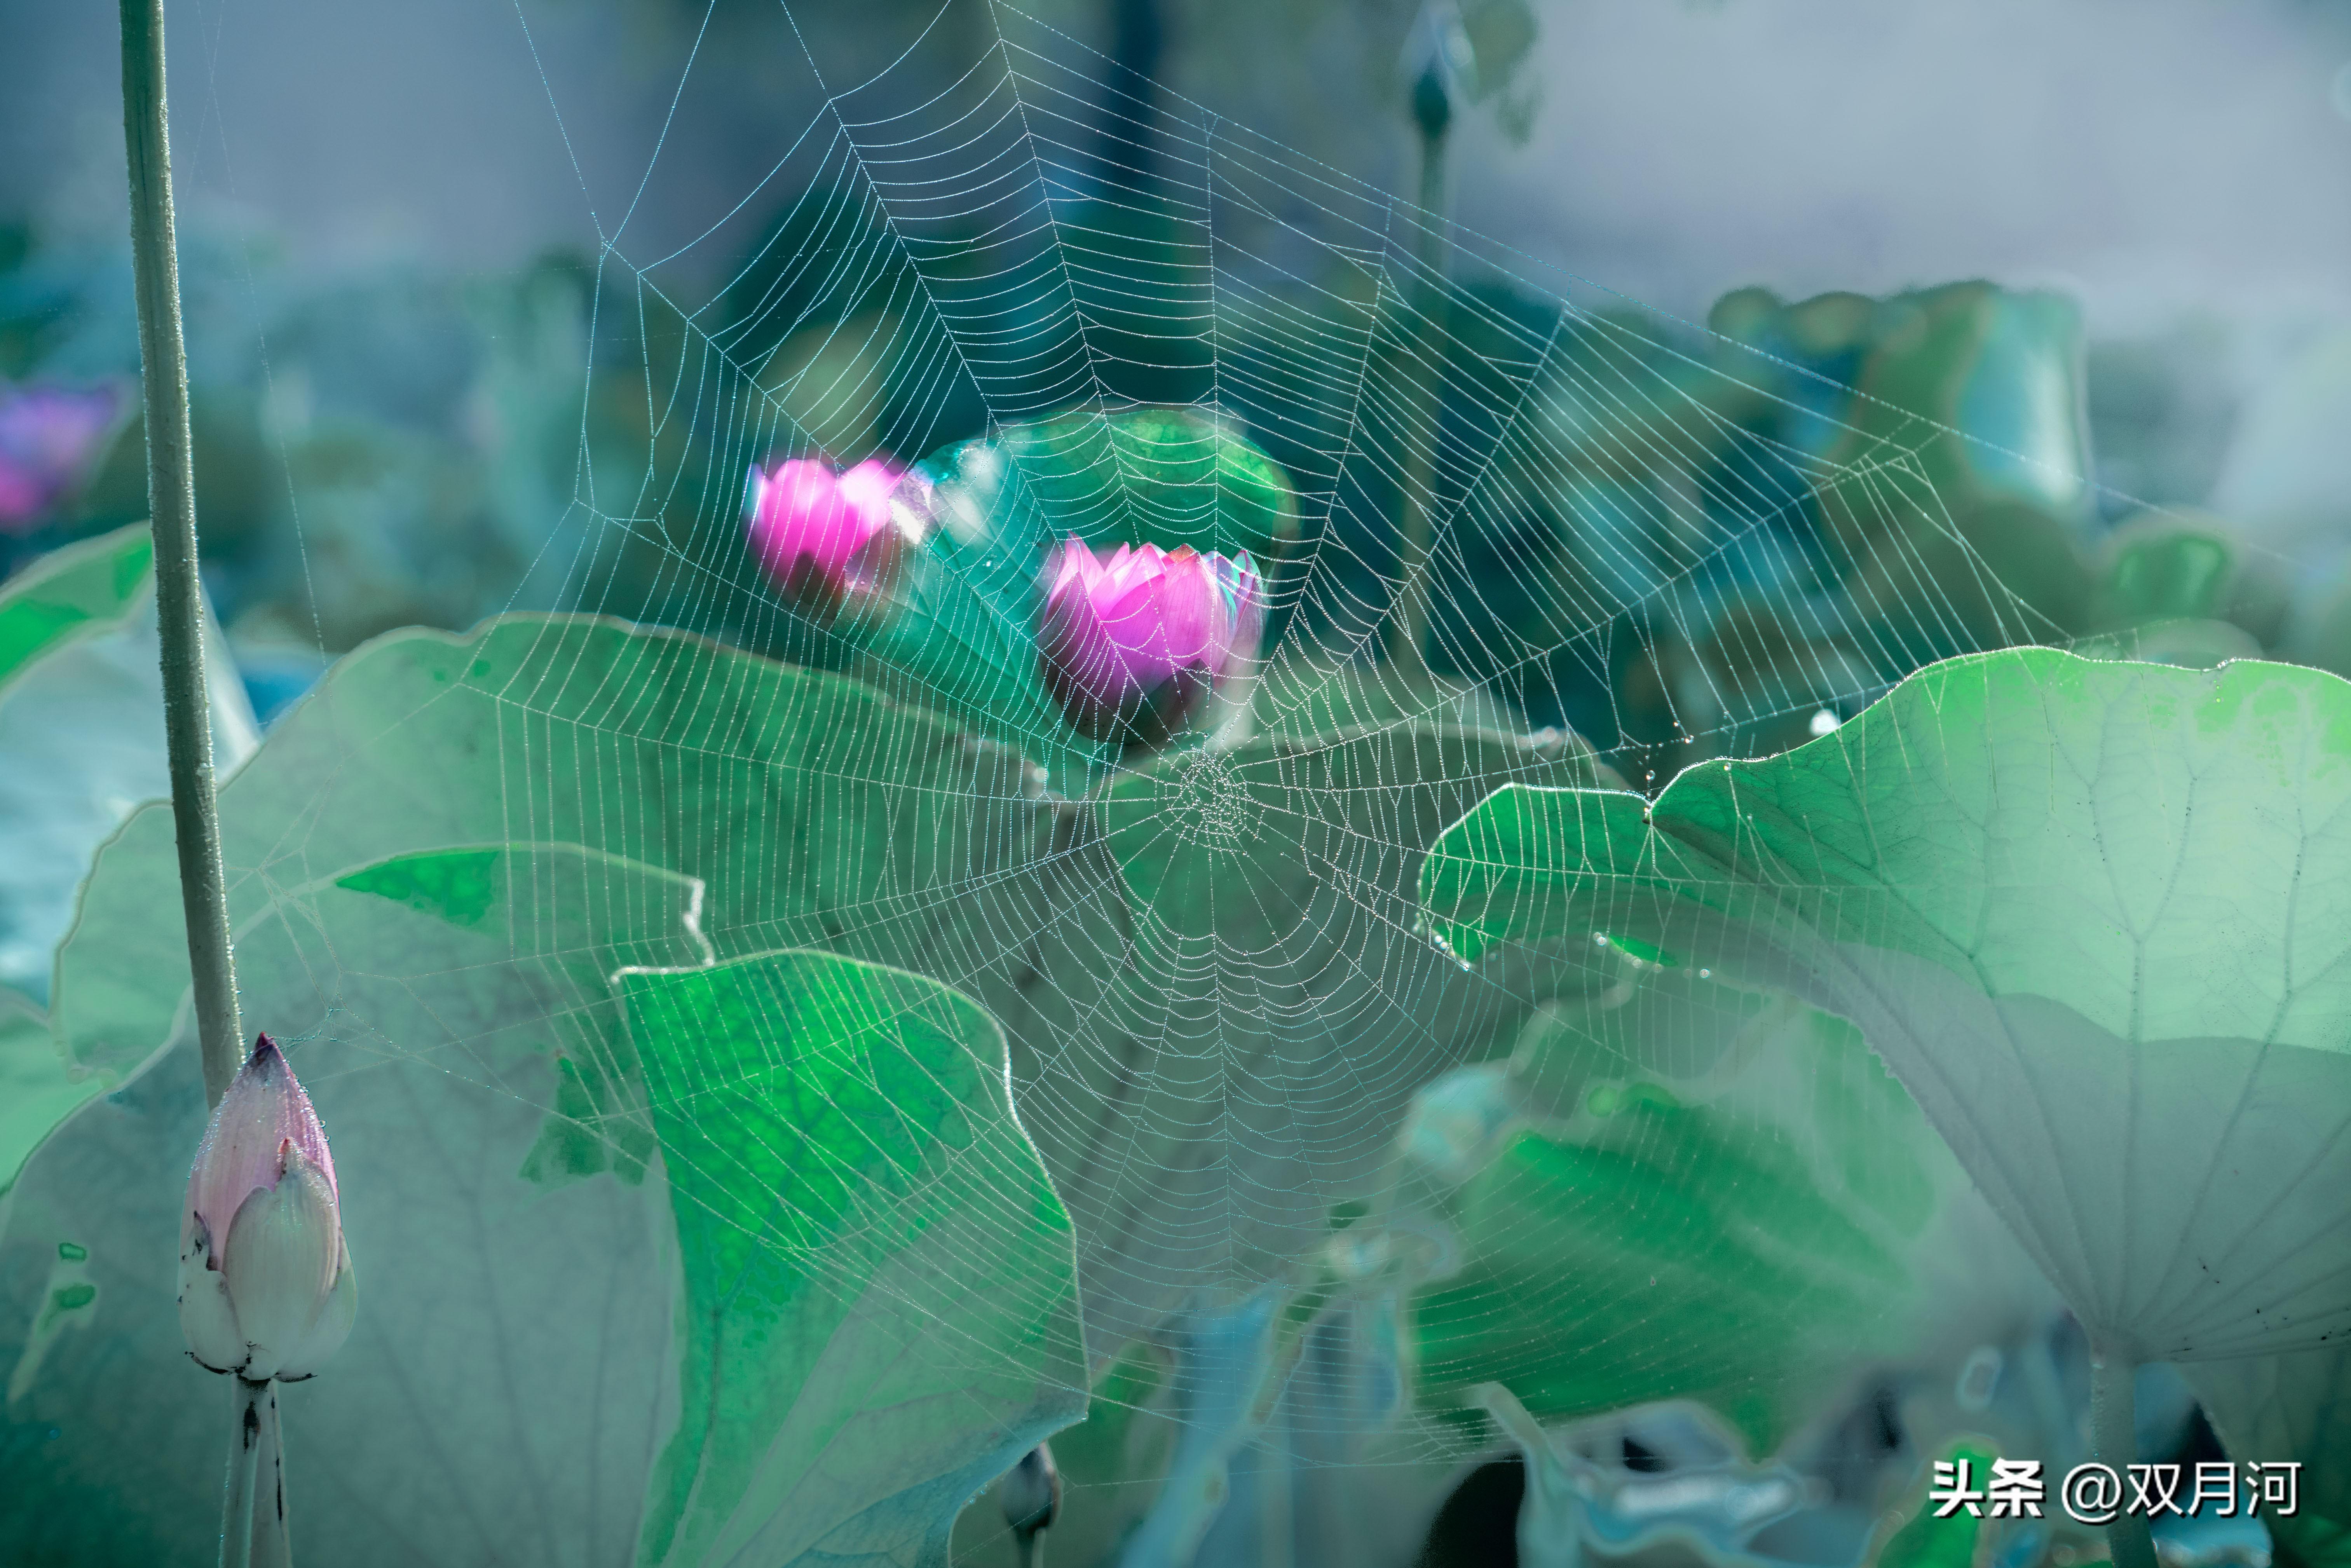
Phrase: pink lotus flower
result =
(47, 436)
(1132, 646)
(266, 1282)
(826, 539)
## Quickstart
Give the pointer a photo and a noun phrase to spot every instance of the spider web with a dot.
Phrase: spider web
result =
(1251, 1078)
(1211, 1086)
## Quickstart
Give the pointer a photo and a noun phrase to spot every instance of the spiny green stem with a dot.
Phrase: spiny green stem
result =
(172, 504)
(244, 1470)
(2113, 1443)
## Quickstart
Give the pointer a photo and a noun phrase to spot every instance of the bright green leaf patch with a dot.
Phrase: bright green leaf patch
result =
(1164, 476)
(458, 887)
(82, 588)
(1923, 1540)
(1747, 1234)
(857, 1208)
(814, 810)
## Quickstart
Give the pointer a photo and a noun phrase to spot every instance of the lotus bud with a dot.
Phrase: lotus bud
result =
(47, 436)
(1030, 1494)
(827, 540)
(1132, 646)
(266, 1282)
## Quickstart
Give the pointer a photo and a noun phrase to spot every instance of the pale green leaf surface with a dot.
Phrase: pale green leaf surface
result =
(508, 1383)
(532, 1333)
(820, 814)
(35, 1092)
(2096, 916)
(815, 811)
(1751, 1225)
(81, 729)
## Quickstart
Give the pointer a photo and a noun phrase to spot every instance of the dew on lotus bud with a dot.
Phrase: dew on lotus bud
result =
(829, 541)
(1132, 646)
(266, 1282)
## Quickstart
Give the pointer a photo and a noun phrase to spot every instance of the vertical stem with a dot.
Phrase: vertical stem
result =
(172, 506)
(2113, 1413)
(271, 1547)
(1408, 635)
(187, 702)
(243, 1467)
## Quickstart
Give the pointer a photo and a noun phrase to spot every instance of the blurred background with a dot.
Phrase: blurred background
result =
(392, 221)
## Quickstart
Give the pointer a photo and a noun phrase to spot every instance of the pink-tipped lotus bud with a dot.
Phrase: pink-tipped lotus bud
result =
(47, 438)
(266, 1282)
(827, 540)
(1131, 647)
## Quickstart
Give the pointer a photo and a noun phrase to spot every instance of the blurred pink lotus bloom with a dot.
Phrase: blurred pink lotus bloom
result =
(47, 438)
(826, 539)
(266, 1282)
(1132, 646)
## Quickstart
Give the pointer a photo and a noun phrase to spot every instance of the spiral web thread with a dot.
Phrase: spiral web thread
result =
(1027, 241)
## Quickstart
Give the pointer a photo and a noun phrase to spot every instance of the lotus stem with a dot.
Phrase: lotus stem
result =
(172, 507)
(271, 1546)
(187, 701)
(243, 1472)
(2113, 1443)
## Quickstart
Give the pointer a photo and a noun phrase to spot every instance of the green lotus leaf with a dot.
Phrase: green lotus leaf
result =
(81, 729)
(81, 742)
(881, 1311)
(2094, 916)
(1740, 1178)
(557, 1208)
(1271, 886)
(2295, 1407)
(815, 811)
(37, 1093)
